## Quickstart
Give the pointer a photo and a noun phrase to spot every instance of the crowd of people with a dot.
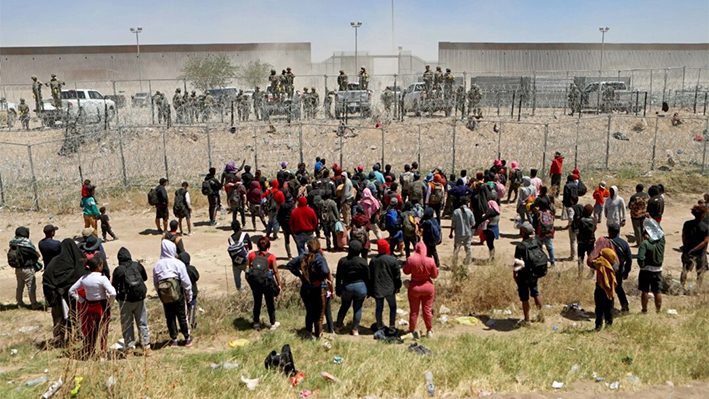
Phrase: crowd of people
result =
(348, 208)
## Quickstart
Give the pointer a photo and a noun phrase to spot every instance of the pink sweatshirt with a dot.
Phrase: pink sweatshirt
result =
(419, 266)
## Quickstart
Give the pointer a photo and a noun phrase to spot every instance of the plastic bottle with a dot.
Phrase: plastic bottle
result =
(430, 388)
(37, 381)
(653, 229)
(53, 389)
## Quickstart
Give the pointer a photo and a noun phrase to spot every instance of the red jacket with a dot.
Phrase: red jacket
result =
(303, 218)
(556, 166)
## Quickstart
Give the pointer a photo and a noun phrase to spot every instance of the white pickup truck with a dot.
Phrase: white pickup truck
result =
(86, 104)
(418, 101)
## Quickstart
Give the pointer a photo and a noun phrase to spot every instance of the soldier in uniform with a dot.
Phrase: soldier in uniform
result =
(448, 82)
(342, 81)
(363, 79)
(193, 107)
(177, 103)
(474, 98)
(388, 99)
(257, 100)
(24, 111)
(208, 103)
(460, 100)
(608, 97)
(305, 99)
(37, 94)
(158, 99)
(55, 86)
(574, 96)
(274, 84)
(428, 79)
(290, 80)
(314, 102)
(438, 81)
(327, 104)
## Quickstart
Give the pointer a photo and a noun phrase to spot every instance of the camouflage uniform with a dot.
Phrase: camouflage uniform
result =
(608, 98)
(158, 100)
(207, 103)
(460, 99)
(55, 86)
(290, 81)
(257, 100)
(438, 81)
(179, 109)
(388, 100)
(193, 107)
(474, 98)
(428, 79)
(305, 99)
(24, 111)
(37, 94)
(448, 82)
(574, 96)
(274, 82)
(314, 102)
(327, 105)
(363, 79)
(342, 81)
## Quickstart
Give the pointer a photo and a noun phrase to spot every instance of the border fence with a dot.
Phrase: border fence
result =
(47, 168)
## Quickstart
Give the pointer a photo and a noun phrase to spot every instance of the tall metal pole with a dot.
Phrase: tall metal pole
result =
(392, 25)
(356, 26)
(137, 44)
(600, 69)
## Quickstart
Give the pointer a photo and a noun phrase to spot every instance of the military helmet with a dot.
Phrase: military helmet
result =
(22, 101)
(194, 92)
(54, 75)
(273, 71)
(305, 89)
(448, 69)
(341, 71)
(257, 88)
(157, 92)
(438, 68)
(34, 77)
(178, 90)
(312, 89)
(288, 69)
(428, 67)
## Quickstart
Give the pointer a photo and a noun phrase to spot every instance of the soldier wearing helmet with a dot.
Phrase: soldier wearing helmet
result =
(37, 94)
(363, 79)
(428, 79)
(55, 87)
(342, 81)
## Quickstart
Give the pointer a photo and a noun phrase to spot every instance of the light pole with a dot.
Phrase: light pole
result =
(356, 25)
(603, 30)
(137, 44)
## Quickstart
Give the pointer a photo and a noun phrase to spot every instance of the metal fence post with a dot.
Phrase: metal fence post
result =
(300, 141)
(2, 192)
(664, 86)
(164, 154)
(382, 129)
(255, 148)
(608, 141)
(35, 205)
(650, 91)
(704, 153)
(123, 158)
(454, 137)
(534, 92)
(499, 142)
(576, 146)
(419, 148)
(654, 144)
(546, 140)
(152, 105)
(209, 146)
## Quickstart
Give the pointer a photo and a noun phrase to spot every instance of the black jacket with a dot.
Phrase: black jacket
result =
(386, 276)
(191, 272)
(119, 276)
(352, 268)
(162, 195)
(571, 194)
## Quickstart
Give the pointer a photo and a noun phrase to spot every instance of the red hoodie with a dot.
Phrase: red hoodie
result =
(419, 266)
(303, 218)
(556, 166)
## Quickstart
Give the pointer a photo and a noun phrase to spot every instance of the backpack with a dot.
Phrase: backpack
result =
(435, 231)
(517, 177)
(270, 206)
(393, 220)
(169, 290)
(133, 284)
(436, 193)
(500, 188)
(502, 177)
(409, 225)
(546, 224)
(359, 234)
(535, 259)
(14, 257)
(282, 361)
(406, 179)
(257, 273)
(237, 251)
(234, 198)
(153, 196)
(586, 232)
(418, 188)
(582, 189)
(206, 187)
(493, 191)
(180, 206)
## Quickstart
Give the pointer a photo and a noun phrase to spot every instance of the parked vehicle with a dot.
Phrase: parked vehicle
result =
(623, 99)
(119, 99)
(140, 100)
(353, 102)
(416, 100)
(8, 113)
(281, 106)
(83, 104)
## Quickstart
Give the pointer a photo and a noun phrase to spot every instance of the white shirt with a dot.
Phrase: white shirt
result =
(187, 200)
(537, 183)
(97, 288)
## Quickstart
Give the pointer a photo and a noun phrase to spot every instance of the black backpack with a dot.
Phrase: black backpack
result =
(582, 190)
(134, 285)
(180, 206)
(281, 361)
(270, 205)
(257, 273)
(535, 259)
(153, 196)
(14, 257)
(207, 187)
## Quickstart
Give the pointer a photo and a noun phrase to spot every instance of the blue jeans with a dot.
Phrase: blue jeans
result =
(379, 310)
(330, 233)
(272, 226)
(352, 295)
(549, 243)
(301, 239)
(237, 277)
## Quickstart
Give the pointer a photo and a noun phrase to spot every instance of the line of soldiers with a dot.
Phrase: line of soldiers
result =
(438, 84)
(311, 101)
(282, 85)
(55, 87)
(343, 80)
(189, 108)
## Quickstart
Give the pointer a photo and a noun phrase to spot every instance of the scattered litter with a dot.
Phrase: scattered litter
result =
(620, 136)
(444, 310)
(251, 384)
(403, 322)
(443, 319)
(37, 381)
(430, 388)
(13, 352)
(118, 345)
(575, 325)
(305, 393)
(467, 321)
(557, 385)
(402, 312)
(28, 329)
(110, 382)
(614, 385)
(491, 323)
(672, 312)
(669, 383)
(482, 394)
(633, 379)
(408, 336)
(627, 360)
(548, 306)
(326, 345)
(46, 371)
(238, 343)
(297, 379)
(224, 365)
(507, 312)
(597, 378)
(574, 368)
(329, 377)
(77, 386)
(53, 389)
(555, 328)
(338, 360)
(200, 310)
(419, 349)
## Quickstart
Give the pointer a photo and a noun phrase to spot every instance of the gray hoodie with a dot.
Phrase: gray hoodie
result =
(615, 208)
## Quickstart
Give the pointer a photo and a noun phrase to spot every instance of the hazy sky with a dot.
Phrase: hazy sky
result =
(419, 25)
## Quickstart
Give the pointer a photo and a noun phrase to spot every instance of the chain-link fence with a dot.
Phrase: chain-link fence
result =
(46, 170)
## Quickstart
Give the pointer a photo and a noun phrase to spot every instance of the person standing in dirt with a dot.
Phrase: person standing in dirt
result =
(656, 204)
(569, 199)
(352, 280)
(106, 228)
(129, 279)
(638, 210)
(270, 199)
(313, 271)
(162, 212)
(59, 275)
(210, 188)
(253, 196)
(386, 282)
(303, 223)
(599, 195)
(431, 234)
(182, 207)
(175, 291)
(606, 284)
(421, 291)
(515, 179)
(651, 255)
(555, 172)
(37, 95)
(90, 210)
(625, 260)
(48, 246)
(342, 81)
(24, 258)
(462, 224)
(527, 283)
(695, 238)
(55, 87)
(262, 276)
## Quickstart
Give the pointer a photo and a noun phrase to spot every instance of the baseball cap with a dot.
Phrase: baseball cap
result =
(527, 228)
(603, 184)
(50, 228)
